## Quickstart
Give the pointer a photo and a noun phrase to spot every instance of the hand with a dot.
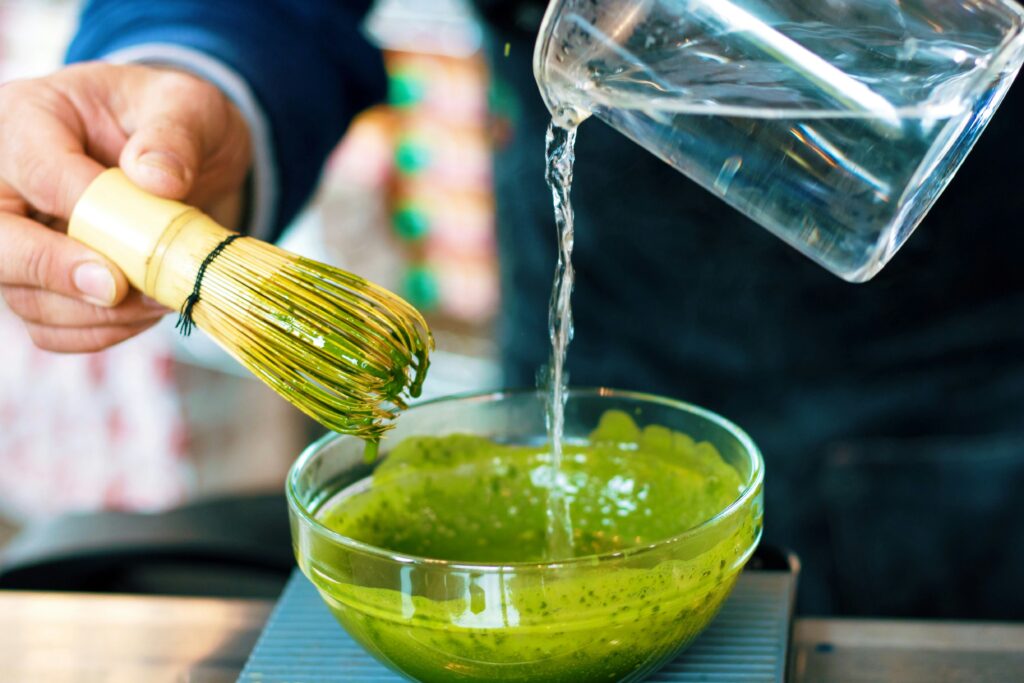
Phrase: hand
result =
(172, 133)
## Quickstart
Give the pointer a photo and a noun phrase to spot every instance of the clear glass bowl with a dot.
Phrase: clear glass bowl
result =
(611, 617)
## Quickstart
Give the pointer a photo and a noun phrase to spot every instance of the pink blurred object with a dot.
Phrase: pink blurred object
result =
(468, 289)
(365, 156)
(89, 432)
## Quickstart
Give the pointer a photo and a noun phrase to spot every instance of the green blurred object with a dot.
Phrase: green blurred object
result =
(503, 100)
(411, 156)
(411, 223)
(405, 89)
(421, 288)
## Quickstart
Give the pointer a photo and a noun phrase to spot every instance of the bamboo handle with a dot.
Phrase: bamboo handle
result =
(158, 243)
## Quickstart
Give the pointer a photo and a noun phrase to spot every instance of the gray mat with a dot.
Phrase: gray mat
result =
(747, 642)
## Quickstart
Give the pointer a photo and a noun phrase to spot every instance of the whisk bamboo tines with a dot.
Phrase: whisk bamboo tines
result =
(345, 351)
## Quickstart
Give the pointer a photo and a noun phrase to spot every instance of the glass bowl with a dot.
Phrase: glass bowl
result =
(614, 616)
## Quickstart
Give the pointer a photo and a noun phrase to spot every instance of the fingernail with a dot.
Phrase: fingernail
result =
(95, 282)
(165, 163)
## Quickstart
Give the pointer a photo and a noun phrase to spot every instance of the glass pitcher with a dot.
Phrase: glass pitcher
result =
(835, 124)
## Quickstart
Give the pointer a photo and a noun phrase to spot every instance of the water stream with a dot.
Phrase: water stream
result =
(560, 149)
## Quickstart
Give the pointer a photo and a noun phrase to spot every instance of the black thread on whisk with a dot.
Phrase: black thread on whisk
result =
(185, 322)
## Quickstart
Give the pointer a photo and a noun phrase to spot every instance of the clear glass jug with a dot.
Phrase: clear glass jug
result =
(835, 124)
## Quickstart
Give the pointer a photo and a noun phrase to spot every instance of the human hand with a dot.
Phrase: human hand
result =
(172, 133)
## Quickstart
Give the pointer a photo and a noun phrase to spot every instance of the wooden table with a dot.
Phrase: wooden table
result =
(52, 637)
(62, 637)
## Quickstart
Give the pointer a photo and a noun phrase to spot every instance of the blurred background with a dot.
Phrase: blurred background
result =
(405, 201)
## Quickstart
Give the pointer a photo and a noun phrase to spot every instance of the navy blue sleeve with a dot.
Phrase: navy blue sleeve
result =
(306, 61)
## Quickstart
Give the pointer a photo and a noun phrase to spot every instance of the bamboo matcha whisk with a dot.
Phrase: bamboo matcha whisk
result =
(343, 350)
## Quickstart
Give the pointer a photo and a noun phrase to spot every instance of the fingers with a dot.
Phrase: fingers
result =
(36, 257)
(54, 310)
(44, 157)
(180, 124)
(84, 339)
(174, 134)
(163, 157)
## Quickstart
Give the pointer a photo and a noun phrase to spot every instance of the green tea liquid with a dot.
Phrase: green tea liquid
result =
(464, 498)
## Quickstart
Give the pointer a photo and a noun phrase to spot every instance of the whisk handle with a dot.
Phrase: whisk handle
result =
(158, 243)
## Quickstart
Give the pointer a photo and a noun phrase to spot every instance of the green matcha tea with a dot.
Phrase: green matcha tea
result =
(466, 499)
